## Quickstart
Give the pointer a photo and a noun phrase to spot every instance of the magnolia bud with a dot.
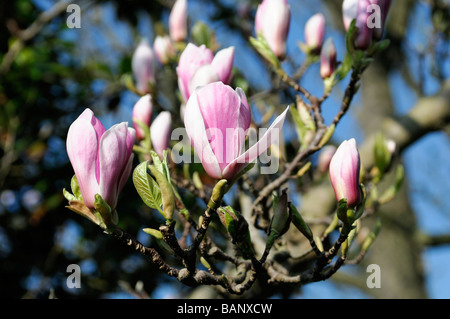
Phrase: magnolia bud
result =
(160, 131)
(298, 221)
(328, 59)
(344, 173)
(164, 49)
(178, 21)
(272, 20)
(142, 112)
(143, 66)
(102, 159)
(314, 32)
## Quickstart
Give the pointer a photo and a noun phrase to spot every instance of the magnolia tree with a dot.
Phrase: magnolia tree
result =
(218, 122)
(236, 220)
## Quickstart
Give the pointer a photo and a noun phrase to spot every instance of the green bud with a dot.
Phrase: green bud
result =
(327, 136)
(281, 216)
(382, 154)
(305, 115)
(218, 192)
(318, 243)
(298, 222)
(205, 263)
(76, 191)
(168, 199)
(196, 180)
(304, 169)
(237, 228)
(202, 34)
(104, 210)
(153, 232)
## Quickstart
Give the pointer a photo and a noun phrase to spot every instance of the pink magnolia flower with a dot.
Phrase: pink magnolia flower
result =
(328, 59)
(178, 21)
(143, 65)
(315, 32)
(102, 159)
(198, 66)
(142, 111)
(217, 119)
(272, 20)
(160, 131)
(344, 173)
(164, 49)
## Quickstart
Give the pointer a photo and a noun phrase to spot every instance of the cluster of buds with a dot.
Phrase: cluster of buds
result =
(328, 59)
(158, 130)
(198, 66)
(144, 57)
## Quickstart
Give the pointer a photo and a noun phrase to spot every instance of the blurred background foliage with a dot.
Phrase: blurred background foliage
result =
(49, 74)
